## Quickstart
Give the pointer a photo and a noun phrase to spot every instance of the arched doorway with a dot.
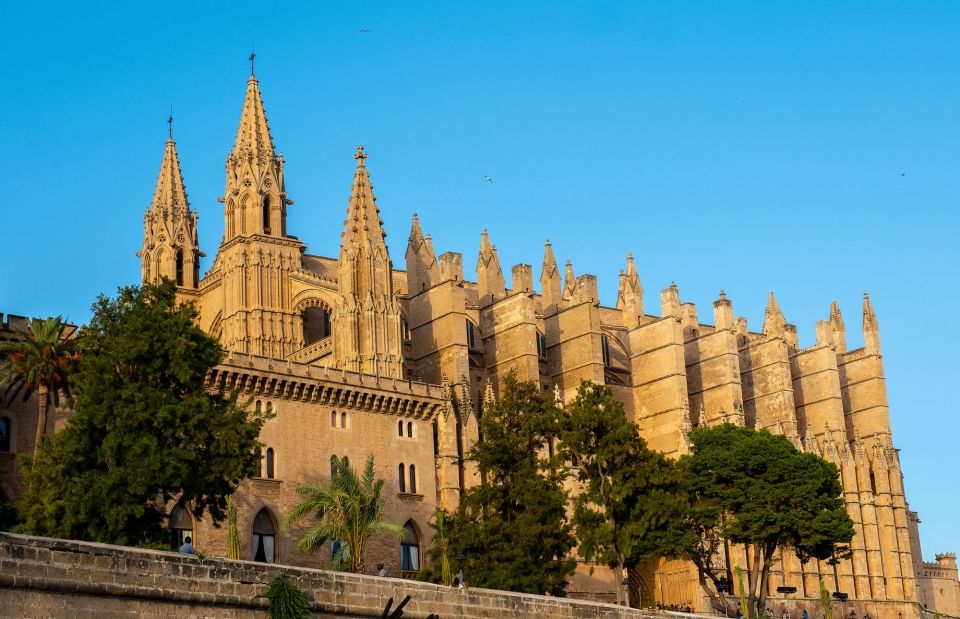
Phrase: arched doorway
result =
(180, 524)
(264, 537)
(410, 550)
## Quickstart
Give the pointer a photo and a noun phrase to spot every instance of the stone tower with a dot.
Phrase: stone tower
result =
(170, 247)
(257, 257)
(366, 322)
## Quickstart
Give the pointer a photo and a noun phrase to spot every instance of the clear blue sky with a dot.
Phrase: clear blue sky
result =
(809, 148)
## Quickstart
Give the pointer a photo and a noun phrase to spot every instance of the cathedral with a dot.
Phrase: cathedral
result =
(355, 357)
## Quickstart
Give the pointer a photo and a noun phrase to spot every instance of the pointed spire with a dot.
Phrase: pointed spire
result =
(871, 328)
(723, 311)
(363, 226)
(774, 323)
(416, 234)
(422, 269)
(569, 282)
(630, 295)
(838, 328)
(490, 283)
(253, 134)
(549, 280)
(170, 192)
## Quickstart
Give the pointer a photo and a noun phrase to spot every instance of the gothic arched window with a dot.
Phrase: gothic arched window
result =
(271, 472)
(413, 479)
(264, 537)
(179, 267)
(402, 478)
(410, 548)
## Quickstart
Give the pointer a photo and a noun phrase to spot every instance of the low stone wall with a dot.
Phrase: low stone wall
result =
(42, 577)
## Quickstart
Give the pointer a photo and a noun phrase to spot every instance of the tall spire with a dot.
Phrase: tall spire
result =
(170, 192)
(363, 226)
(422, 269)
(569, 281)
(253, 135)
(170, 248)
(630, 295)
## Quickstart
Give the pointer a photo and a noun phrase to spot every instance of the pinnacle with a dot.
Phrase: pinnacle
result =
(253, 134)
(363, 225)
(170, 191)
(869, 317)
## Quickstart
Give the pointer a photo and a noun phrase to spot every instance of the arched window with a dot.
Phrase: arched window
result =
(196, 270)
(410, 429)
(316, 324)
(410, 548)
(333, 461)
(605, 349)
(180, 525)
(270, 464)
(400, 428)
(413, 479)
(146, 267)
(259, 461)
(333, 419)
(266, 214)
(471, 335)
(269, 407)
(179, 267)
(5, 428)
(541, 346)
(346, 461)
(231, 219)
(402, 479)
(258, 406)
(343, 420)
(264, 537)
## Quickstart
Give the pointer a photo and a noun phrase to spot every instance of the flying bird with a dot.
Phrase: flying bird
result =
(365, 30)
(487, 178)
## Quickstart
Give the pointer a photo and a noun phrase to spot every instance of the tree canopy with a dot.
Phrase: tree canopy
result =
(512, 528)
(629, 504)
(757, 489)
(348, 509)
(146, 429)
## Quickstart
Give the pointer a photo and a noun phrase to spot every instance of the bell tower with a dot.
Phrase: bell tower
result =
(257, 257)
(170, 248)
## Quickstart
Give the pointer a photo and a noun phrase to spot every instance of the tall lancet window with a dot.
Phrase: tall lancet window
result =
(179, 267)
(266, 214)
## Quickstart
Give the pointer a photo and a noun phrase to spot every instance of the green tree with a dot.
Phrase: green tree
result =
(513, 528)
(347, 508)
(756, 489)
(629, 508)
(147, 429)
(40, 362)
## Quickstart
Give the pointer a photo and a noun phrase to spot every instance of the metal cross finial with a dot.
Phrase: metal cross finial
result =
(361, 155)
(253, 56)
(170, 123)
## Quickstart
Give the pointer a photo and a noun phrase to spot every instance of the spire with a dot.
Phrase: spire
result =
(422, 269)
(490, 282)
(838, 328)
(363, 226)
(549, 280)
(170, 192)
(253, 135)
(871, 328)
(774, 323)
(630, 295)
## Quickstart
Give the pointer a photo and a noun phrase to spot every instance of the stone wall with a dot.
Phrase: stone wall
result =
(42, 577)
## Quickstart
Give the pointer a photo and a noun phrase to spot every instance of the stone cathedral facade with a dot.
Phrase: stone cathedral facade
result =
(356, 357)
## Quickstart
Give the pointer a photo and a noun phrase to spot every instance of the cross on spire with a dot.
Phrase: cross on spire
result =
(360, 155)
(170, 123)
(253, 56)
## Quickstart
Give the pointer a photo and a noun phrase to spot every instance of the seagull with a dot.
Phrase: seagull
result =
(365, 30)
(487, 178)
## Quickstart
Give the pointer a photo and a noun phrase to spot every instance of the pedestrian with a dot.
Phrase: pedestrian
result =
(187, 548)
(382, 570)
(456, 583)
(785, 614)
(805, 615)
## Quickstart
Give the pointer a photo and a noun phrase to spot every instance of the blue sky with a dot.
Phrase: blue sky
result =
(807, 148)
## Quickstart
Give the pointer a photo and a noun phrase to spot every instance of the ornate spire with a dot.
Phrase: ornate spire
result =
(363, 226)
(490, 283)
(170, 192)
(253, 134)
(422, 269)
(569, 281)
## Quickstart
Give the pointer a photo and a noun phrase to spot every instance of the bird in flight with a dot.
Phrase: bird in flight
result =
(487, 178)
(365, 30)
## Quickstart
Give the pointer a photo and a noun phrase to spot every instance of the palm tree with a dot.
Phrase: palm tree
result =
(41, 361)
(347, 509)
